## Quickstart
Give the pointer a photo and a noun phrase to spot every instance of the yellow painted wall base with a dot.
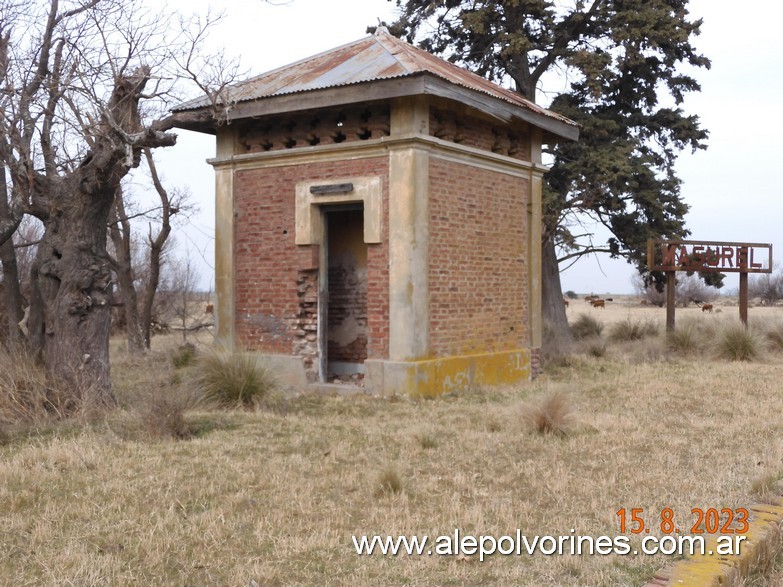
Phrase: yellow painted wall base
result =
(434, 377)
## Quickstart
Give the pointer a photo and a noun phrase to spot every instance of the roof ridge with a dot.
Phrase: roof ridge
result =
(396, 48)
(304, 60)
(409, 62)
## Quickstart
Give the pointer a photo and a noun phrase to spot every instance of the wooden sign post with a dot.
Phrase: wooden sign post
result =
(708, 256)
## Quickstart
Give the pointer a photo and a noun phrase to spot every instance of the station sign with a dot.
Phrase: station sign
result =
(709, 256)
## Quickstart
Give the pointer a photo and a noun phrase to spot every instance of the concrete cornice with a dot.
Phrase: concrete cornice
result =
(380, 148)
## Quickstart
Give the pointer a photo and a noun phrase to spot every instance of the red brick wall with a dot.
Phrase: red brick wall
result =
(273, 276)
(478, 261)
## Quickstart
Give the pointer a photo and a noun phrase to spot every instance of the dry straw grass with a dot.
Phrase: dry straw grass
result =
(24, 396)
(552, 414)
(273, 496)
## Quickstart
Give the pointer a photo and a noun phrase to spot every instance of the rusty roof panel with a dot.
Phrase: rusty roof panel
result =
(381, 56)
(364, 66)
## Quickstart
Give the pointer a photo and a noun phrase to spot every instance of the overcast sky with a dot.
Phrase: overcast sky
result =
(732, 188)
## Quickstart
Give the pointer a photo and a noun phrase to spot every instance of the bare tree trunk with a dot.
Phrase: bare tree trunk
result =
(11, 290)
(74, 279)
(35, 319)
(148, 301)
(12, 294)
(123, 267)
(552, 307)
(157, 246)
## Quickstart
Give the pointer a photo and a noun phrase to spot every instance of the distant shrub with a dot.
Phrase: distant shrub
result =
(586, 326)
(552, 415)
(629, 330)
(767, 286)
(232, 378)
(737, 343)
(688, 289)
(571, 295)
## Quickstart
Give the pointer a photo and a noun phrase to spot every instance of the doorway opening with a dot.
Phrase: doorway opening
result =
(344, 295)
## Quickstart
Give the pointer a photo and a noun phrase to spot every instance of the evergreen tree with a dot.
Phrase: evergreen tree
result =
(622, 63)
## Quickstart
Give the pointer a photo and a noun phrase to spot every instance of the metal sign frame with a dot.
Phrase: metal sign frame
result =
(671, 256)
(713, 256)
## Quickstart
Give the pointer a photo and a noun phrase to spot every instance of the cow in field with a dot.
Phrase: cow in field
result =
(599, 304)
(565, 303)
(707, 308)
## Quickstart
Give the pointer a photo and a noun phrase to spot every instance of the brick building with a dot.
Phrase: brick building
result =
(378, 221)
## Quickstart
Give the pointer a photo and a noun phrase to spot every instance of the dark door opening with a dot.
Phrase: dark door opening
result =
(345, 337)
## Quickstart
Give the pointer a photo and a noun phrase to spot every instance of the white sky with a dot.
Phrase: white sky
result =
(732, 188)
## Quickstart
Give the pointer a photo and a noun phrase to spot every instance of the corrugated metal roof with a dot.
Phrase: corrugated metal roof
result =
(380, 56)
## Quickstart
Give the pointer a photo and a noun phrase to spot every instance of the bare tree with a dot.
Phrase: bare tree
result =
(184, 280)
(688, 289)
(122, 263)
(767, 286)
(84, 90)
(138, 264)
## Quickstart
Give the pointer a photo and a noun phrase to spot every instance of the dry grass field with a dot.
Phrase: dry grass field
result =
(271, 496)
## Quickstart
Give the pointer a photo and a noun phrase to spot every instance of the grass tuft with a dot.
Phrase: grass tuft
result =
(389, 482)
(163, 416)
(686, 339)
(586, 327)
(597, 349)
(427, 440)
(494, 425)
(629, 330)
(232, 378)
(553, 415)
(767, 486)
(737, 343)
(774, 337)
(184, 356)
